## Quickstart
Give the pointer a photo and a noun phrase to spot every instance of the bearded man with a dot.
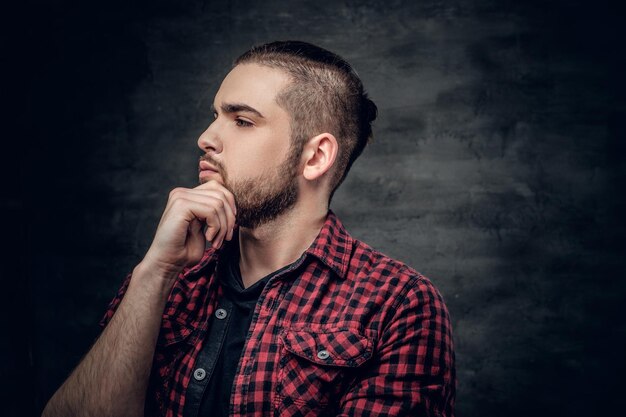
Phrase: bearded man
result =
(283, 313)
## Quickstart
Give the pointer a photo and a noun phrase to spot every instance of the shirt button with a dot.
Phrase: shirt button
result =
(323, 354)
(220, 313)
(199, 374)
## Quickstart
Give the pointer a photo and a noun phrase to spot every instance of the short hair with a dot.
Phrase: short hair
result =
(325, 95)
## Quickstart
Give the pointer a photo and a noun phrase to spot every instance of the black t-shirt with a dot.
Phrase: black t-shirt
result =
(210, 387)
(216, 400)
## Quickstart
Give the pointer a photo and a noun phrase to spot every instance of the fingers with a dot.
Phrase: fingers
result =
(224, 193)
(217, 230)
(216, 186)
(211, 207)
(207, 212)
(220, 195)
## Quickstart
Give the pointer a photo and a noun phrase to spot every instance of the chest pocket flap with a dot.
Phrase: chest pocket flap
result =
(335, 347)
(173, 330)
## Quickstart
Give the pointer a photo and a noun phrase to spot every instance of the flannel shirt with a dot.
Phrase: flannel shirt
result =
(344, 331)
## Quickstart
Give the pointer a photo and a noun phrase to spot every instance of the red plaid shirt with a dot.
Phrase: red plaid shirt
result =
(344, 331)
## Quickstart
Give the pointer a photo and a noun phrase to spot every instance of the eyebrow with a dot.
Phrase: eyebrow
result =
(230, 108)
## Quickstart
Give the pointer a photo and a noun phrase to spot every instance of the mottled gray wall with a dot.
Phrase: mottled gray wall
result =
(497, 171)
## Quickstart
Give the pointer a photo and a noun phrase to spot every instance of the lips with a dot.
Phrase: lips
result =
(205, 166)
(206, 172)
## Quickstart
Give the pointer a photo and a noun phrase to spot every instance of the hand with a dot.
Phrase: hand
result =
(180, 239)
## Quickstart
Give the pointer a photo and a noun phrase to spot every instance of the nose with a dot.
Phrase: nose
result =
(209, 141)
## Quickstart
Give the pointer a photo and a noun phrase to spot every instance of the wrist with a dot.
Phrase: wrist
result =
(155, 276)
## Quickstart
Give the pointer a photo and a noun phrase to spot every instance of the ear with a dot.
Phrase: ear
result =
(319, 155)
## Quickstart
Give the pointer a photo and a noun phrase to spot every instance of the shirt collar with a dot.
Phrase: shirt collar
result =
(333, 245)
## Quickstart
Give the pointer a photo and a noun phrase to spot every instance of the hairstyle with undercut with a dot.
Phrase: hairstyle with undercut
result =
(325, 95)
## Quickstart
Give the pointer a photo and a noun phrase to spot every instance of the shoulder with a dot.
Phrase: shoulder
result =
(409, 297)
(373, 265)
(411, 310)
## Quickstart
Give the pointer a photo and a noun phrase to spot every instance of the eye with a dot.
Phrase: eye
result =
(242, 123)
(214, 115)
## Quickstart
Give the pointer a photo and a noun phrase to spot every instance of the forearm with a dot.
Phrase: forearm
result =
(112, 378)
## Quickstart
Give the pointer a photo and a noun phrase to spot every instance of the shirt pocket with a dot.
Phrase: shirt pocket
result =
(317, 364)
(173, 330)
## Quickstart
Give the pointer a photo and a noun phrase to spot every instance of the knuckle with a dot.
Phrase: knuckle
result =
(176, 191)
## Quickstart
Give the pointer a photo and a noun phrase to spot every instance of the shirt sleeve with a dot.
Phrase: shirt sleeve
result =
(115, 302)
(412, 372)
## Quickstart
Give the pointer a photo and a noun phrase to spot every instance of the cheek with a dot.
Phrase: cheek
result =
(265, 157)
(246, 165)
(250, 155)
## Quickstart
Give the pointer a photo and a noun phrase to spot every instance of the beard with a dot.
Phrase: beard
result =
(263, 198)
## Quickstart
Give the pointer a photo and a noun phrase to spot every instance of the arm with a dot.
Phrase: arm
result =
(413, 371)
(112, 378)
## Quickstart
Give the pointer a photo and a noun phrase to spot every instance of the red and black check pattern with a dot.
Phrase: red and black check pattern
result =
(345, 331)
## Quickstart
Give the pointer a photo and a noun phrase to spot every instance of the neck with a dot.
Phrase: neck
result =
(277, 243)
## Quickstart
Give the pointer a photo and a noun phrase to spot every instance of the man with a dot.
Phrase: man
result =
(285, 313)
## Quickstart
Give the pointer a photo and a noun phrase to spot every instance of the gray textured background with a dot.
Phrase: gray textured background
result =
(497, 170)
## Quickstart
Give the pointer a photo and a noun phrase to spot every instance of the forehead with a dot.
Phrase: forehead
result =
(254, 85)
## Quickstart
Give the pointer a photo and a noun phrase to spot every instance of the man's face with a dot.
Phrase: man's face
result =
(249, 145)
